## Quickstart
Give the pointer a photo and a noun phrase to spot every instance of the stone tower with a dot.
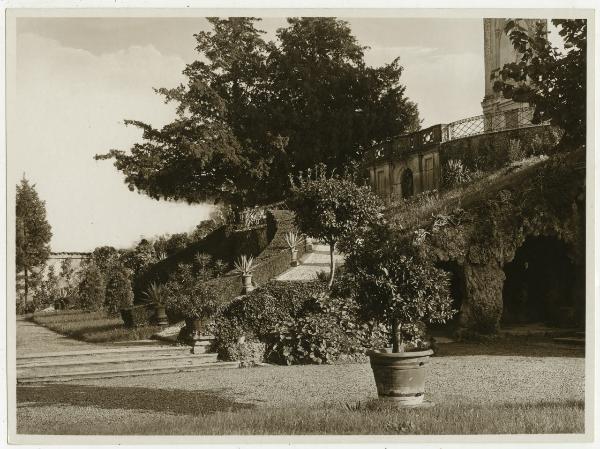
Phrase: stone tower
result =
(499, 51)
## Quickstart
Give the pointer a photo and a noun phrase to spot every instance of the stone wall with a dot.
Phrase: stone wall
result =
(491, 151)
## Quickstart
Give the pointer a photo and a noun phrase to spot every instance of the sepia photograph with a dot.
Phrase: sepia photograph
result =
(288, 223)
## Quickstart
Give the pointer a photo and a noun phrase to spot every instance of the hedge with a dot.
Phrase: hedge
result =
(223, 243)
(274, 260)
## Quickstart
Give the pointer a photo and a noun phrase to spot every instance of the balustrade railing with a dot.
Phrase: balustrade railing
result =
(471, 126)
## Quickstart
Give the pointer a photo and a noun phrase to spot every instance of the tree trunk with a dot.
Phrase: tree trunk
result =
(331, 264)
(26, 287)
(397, 342)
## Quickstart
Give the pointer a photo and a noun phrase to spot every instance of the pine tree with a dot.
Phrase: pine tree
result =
(33, 234)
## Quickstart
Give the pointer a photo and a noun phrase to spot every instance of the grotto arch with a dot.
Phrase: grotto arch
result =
(542, 285)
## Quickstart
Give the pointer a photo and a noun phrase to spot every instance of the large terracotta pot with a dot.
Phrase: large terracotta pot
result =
(400, 377)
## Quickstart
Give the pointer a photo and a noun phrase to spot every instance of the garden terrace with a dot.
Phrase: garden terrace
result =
(481, 227)
(270, 263)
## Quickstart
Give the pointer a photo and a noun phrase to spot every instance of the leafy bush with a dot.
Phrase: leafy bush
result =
(118, 290)
(186, 294)
(334, 210)
(136, 316)
(298, 322)
(91, 292)
(393, 284)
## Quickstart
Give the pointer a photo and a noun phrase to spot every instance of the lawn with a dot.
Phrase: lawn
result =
(92, 327)
(538, 387)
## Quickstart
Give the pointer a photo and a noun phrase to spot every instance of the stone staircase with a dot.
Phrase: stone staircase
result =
(117, 362)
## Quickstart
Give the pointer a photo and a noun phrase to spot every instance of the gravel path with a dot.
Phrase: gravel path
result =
(465, 380)
(313, 262)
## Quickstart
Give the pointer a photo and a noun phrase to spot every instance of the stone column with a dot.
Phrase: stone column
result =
(482, 307)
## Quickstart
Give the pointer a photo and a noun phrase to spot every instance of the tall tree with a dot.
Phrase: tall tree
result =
(253, 111)
(33, 233)
(552, 81)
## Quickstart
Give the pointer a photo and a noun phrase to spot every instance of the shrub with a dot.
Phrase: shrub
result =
(136, 316)
(187, 295)
(515, 151)
(333, 209)
(91, 292)
(393, 284)
(455, 173)
(119, 294)
(298, 322)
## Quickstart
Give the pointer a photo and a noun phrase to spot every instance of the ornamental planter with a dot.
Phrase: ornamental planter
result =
(160, 315)
(194, 327)
(247, 286)
(294, 261)
(400, 377)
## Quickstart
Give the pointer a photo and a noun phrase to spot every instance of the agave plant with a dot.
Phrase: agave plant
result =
(292, 238)
(155, 293)
(244, 265)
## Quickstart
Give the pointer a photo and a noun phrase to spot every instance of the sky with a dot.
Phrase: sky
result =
(79, 78)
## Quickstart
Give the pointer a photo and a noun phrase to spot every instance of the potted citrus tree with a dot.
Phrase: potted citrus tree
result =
(394, 285)
(187, 295)
(292, 238)
(244, 265)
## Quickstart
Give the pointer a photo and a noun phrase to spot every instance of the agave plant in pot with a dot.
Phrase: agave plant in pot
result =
(292, 238)
(394, 285)
(244, 265)
(155, 295)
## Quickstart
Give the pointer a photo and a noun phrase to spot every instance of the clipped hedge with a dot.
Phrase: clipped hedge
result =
(271, 262)
(224, 243)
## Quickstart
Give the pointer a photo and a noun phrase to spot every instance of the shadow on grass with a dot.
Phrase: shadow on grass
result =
(522, 347)
(180, 402)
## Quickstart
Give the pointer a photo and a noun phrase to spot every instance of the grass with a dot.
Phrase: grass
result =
(92, 327)
(353, 419)
(521, 385)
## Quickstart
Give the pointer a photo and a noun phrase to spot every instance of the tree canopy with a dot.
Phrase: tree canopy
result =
(552, 81)
(33, 233)
(333, 209)
(252, 112)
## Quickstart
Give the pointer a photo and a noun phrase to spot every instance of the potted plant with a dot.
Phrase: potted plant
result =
(244, 265)
(393, 284)
(292, 239)
(155, 296)
(186, 295)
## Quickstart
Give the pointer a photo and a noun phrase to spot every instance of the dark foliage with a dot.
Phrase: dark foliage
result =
(553, 82)
(251, 112)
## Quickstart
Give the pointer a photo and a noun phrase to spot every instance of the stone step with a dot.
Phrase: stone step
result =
(113, 365)
(95, 354)
(570, 341)
(109, 373)
(75, 361)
